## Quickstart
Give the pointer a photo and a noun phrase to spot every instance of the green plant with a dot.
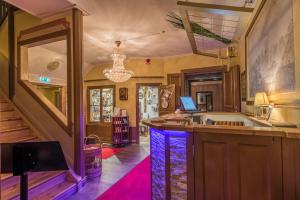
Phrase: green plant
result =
(177, 22)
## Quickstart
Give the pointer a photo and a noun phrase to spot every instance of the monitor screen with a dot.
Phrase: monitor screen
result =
(188, 103)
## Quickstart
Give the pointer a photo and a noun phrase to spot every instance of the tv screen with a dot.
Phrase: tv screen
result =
(188, 103)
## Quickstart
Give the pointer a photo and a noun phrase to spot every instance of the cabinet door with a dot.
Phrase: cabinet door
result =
(291, 166)
(232, 167)
(231, 84)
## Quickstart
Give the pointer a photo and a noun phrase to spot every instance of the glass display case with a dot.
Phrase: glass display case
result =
(101, 104)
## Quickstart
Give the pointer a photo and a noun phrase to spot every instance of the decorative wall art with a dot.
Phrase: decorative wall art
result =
(167, 100)
(123, 93)
(270, 50)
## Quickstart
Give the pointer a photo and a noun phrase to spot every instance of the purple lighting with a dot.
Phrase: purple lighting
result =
(168, 151)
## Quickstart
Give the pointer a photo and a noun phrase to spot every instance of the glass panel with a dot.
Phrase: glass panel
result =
(107, 104)
(95, 105)
(148, 106)
(45, 72)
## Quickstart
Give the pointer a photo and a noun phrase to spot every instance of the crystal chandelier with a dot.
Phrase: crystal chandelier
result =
(118, 73)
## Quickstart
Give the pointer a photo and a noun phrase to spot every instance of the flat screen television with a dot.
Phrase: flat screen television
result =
(188, 103)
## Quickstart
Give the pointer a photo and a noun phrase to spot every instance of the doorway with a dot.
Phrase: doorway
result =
(147, 108)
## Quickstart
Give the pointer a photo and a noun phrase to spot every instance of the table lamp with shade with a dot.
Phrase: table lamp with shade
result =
(262, 105)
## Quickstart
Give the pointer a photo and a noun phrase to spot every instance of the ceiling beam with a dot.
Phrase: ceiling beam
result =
(188, 29)
(203, 7)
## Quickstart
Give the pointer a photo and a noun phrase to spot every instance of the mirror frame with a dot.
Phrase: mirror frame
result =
(39, 34)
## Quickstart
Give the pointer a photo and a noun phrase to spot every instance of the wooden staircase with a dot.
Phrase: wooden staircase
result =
(43, 185)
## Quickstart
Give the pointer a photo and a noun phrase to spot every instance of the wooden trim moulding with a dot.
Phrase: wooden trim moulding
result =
(204, 70)
(11, 49)
(79, 119)
(195, 5)
(261, 6)
(41, 27)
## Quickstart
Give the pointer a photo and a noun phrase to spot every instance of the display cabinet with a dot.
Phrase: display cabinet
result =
(101, 102)
(120, 130)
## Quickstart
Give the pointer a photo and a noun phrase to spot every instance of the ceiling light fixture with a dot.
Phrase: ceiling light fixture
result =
(118, 73)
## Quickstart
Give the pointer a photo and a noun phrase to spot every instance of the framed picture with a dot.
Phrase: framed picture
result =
(123, 94)
(270, 55)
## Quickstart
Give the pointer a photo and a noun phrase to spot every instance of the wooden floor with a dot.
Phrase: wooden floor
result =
(114, 168)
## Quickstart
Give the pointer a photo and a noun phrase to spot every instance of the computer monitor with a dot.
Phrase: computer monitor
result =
(188, 104)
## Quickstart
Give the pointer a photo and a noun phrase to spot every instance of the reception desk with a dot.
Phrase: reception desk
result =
(207, 162)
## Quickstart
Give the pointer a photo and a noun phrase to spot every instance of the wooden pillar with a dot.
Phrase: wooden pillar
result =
(11, 49)
(79, 121)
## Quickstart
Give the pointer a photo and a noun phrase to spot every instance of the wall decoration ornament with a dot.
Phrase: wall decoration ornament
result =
(123, 94)
(270, 50)
(243, 86)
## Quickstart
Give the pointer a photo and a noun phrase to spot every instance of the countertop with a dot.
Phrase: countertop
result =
(179, 122)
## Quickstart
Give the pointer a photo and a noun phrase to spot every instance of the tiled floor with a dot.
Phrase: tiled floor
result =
(114, 168)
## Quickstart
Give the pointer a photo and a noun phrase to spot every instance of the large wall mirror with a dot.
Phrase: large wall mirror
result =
(44, 69)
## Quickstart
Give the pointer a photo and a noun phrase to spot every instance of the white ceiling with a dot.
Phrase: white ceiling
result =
(138, 23)
(40, 56)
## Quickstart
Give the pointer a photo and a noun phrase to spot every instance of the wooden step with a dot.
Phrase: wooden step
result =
(5, 106)
(19, 138)
(3, 100)
(58, 192)
(10, 180)
(9, 115)
(36, 182)
(3, 177)
(13, 129)
(11, 123)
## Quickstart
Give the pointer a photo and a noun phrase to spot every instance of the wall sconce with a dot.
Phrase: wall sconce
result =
(263, 108)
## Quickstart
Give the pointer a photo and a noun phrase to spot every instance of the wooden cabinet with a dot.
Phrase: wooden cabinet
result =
(237, 167)
(102, 129)
(120, 130)
(231, 85)
(291, 169)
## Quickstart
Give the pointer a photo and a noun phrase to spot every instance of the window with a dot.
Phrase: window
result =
(101, 103)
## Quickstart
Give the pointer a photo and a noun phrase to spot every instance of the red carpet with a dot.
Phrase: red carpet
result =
(133, 186)
(108, 152)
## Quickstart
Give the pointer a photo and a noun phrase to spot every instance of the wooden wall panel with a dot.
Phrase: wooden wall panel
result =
(254, 174)
(215, 88)
(231, 85)
(237, 167)
(103, 130)
(291, 166)
(214, 170)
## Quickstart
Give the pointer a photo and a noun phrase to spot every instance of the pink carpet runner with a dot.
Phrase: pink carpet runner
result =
(109, 152)
(133, 186)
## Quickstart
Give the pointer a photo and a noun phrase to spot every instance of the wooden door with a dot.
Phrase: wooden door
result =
(235, 167)
(175, 79)
(167, 99)
(231, 84)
